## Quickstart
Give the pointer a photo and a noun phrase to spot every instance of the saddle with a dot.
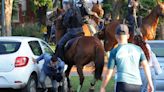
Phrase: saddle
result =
(70, 42)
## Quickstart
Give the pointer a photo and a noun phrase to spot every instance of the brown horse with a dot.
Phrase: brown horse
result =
(82, 51)
(97, 8)
(148, 27)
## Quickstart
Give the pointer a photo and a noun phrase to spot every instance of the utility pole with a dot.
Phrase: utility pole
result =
(3, 18)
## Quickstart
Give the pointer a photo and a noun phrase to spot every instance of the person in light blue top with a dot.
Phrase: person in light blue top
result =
(52, 69)
(127, 58)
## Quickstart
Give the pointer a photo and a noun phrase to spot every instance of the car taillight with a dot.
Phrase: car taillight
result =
(21, 61)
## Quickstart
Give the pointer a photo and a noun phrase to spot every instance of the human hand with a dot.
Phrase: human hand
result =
(150, 88)
(102, 89)
(95, 14)
(34, 60)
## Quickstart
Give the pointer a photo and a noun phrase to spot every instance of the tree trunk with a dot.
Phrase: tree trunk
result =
(8, 14)
(117, 6)
(107, 2)
(61, 3)
(42, 14)
(55, 3)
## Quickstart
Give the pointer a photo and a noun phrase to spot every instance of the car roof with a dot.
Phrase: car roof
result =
(17, 38)
(155, 41)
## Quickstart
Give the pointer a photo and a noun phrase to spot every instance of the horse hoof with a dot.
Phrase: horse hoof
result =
(91, 90)
(70, 90)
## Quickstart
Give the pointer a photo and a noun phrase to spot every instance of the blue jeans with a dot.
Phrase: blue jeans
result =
(144, 79)
(72, 33)
(43, 78)
(131, 21)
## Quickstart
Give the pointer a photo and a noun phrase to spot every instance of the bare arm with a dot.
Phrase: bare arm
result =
(106, 79)
(148, 75)
(90, 12)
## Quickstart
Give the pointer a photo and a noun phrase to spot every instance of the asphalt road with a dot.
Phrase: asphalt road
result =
(88, 71)
(11, 90)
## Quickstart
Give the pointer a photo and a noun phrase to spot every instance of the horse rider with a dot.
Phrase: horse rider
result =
(133, 20)
(72, 21)
(86, 12)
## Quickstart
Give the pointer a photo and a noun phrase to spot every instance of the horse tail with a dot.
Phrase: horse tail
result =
(99, 61)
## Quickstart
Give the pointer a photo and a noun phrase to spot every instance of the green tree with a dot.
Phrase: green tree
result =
(118, 8)
(114, 7)
(41, 7)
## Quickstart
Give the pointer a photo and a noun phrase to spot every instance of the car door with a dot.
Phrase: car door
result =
(46, 48)
(158, 49)
(37, 51)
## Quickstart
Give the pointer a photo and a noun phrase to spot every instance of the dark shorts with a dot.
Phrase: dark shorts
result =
(125, 87)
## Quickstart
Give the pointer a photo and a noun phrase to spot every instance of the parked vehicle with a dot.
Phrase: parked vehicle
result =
(157, 47)
(17, 70)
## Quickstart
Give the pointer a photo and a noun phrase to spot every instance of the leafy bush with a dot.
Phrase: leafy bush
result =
(27, 30)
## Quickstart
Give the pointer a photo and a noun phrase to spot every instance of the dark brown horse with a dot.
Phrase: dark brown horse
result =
(82, 51)
(148, 27)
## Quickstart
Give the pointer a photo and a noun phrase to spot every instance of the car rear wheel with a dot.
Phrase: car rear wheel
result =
(31, 85)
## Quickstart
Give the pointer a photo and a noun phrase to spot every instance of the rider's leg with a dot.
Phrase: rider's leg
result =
(131, 22)
(73, 32)
(61, 44)
(139, 21)
(92, 29)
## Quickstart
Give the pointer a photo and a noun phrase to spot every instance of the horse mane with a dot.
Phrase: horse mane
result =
(98, 9)
(152, 13)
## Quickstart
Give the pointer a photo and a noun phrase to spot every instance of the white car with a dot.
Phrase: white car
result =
(157, 47)
(17, 70)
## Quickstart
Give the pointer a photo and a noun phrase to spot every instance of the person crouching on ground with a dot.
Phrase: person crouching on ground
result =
(52, 69)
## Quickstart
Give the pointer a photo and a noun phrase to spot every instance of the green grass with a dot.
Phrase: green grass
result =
(75, 82)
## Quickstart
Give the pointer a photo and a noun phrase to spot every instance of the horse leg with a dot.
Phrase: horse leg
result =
(67, 72)
(81, 75)
(92, 85)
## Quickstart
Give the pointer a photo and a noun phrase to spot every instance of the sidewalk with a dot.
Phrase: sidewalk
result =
(88, 70)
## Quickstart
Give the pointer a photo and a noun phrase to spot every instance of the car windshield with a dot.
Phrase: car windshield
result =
(9, 47)
(158, 49)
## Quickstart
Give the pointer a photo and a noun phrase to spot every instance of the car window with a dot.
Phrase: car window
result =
(35, 47)
(158, 49)
(46, 48)
(9, 47)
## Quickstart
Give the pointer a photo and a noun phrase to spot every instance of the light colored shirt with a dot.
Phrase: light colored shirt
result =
(46, 68)
(127, 58)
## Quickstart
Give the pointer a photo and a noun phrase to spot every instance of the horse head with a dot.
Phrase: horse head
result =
(160, 8)
(60, 30)
(97, 7)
